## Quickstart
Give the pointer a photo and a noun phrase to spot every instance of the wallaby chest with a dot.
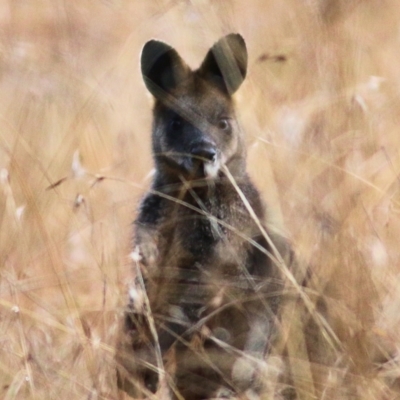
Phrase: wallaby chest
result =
(210, 227)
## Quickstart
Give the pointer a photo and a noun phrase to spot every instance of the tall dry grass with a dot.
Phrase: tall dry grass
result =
(321, 111)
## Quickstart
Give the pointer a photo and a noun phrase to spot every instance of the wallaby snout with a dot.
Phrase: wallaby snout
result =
(204, 151)
(205, 159)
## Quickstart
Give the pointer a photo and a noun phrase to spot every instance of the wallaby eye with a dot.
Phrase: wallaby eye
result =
(175, 123)
(224, 125)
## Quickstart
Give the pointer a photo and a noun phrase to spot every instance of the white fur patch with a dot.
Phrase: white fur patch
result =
(136, 297)
(243, 369)
(135, 255)
(177, 313)
(211, 168)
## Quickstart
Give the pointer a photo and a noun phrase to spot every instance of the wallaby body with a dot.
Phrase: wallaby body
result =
(213, 289)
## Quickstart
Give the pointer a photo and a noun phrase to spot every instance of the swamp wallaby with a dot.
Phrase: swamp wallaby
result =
(208, 264)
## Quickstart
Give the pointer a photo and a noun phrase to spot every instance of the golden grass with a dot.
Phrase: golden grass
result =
(321, 111)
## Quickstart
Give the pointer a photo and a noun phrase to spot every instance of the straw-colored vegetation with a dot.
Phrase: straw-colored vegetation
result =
(321, 111)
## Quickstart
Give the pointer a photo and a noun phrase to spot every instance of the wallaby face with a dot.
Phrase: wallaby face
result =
(195, 131)
(212, 289)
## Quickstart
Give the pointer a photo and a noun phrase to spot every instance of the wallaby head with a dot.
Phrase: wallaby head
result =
(195, 131)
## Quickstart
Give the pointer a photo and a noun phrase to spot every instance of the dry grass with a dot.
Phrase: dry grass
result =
(321, 111)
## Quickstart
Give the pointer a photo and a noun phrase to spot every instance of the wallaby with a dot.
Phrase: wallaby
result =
(211, 278)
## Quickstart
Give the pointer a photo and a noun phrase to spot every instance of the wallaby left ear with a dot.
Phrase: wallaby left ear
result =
(225, 64)
(162, 68)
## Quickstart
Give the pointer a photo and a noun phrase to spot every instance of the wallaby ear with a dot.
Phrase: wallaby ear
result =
(162, 68)
(226, 63)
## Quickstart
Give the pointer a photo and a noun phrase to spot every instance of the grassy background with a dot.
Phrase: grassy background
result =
(321, 112)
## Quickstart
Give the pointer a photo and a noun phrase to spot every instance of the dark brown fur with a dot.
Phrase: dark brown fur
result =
(212, 286)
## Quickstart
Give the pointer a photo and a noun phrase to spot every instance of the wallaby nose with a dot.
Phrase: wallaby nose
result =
(204, 151)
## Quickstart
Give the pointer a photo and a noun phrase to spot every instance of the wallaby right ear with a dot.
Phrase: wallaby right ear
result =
(162, 68)
(225, 64)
